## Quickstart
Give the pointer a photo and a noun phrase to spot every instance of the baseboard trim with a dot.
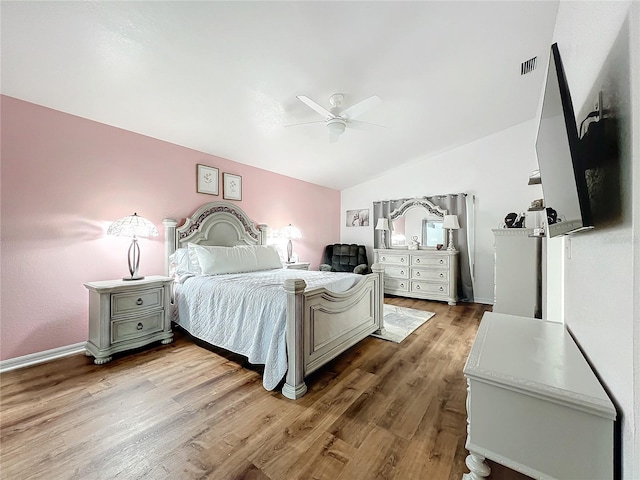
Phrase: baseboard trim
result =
(40, 357)
(486, 301)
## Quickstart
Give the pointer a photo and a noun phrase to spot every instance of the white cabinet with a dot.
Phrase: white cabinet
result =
(127, 314)
(428, 274)
(518, 272)
(534, 404)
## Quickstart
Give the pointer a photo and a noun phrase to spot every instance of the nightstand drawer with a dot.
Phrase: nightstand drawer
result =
(136, 327)
(126, 303)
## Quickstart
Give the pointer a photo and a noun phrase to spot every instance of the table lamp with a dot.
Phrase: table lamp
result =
(451, 222)
(383, 226)
(133, 226)
(290, 232)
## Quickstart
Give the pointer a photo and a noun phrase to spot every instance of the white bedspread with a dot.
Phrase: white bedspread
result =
(246, 312)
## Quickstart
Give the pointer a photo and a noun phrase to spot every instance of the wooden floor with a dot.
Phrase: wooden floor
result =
(379, 411)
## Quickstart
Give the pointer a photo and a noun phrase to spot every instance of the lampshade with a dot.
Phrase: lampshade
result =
(133, 226)
(451, 222)
(383, 224)
(290, 232)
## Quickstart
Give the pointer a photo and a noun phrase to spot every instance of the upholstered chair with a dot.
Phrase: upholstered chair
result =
(343, 257)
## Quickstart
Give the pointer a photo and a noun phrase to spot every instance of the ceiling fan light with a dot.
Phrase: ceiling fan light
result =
(336, 126)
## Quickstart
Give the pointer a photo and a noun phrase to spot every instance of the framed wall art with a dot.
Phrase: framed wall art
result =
(358, 218)
(206, 179)
(231, 186)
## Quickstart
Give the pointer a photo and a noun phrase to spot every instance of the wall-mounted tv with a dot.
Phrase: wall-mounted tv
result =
(560, 159)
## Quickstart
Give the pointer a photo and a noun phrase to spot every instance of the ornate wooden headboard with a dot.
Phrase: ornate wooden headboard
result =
(214, 223)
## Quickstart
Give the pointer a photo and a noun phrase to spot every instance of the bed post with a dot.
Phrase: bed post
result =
(294, 386)
(378, 269)
(169, 241)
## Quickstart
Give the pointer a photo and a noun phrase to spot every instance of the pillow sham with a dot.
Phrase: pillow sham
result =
(215, 260)
(181, 263)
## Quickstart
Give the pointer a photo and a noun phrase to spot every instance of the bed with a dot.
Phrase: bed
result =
(309, 321)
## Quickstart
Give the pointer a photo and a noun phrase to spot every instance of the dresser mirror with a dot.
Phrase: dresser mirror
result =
(417, 220)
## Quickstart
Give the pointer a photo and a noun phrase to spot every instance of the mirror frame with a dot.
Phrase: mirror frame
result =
(434, 211)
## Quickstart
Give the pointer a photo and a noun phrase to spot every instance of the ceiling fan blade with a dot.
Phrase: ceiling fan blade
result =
(359, 108)
(314, 106)
(367, 126)
(304, 123)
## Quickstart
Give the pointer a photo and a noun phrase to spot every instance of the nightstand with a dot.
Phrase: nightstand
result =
(297, 265)
(127, 314)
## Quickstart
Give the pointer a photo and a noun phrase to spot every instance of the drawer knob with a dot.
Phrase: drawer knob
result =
(139, 301)
(441, 261)
(417, 274)
(401, 272)
(384, 258)
(417, 260)
(417, 287)
(442, 289)
(402, 285)
(442, 275)
(402, 260)
(139, 327)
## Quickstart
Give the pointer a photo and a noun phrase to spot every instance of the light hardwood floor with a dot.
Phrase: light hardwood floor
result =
(379, 411)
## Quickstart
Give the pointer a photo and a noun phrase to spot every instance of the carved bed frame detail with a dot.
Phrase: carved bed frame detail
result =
(320, 324)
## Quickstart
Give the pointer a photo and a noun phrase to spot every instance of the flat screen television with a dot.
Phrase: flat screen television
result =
(560, 159)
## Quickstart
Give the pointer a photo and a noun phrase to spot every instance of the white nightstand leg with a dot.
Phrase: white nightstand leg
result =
(478, 469)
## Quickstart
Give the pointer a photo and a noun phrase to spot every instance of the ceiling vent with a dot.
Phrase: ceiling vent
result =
(528, 66)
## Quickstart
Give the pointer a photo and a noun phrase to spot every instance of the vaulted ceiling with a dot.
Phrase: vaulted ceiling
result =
(222, 77)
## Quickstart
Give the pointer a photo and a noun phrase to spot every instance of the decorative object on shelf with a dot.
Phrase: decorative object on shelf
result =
(290, 232)
(232, 186)
(133, 226)
(383, 226)
(207, 179)
(414, 244)
(513, 220)
(439, 246)
(450, 222)
(358, 218)
(537, 204)
(552, 216)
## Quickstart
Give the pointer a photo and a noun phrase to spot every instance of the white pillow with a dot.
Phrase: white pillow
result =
(180, 263)
(243, 258)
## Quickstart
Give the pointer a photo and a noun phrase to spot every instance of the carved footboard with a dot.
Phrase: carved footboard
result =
(323, 324)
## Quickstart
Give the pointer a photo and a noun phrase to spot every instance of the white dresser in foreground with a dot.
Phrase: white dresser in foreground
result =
(534, 404)
(430, 274)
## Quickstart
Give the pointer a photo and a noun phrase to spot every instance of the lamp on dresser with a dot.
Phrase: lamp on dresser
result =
(133, 226)
(450, 222)
(290, 232)
(383, 226)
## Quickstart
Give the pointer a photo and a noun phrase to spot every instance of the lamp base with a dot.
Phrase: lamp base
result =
(138, 277)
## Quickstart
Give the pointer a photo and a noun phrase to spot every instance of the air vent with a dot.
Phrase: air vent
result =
(528, 66)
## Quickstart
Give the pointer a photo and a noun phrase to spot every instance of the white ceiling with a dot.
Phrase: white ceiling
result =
(222, 77)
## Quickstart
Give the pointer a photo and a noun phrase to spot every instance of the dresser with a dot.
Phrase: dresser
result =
(534, 404)
(127, 314)
(518, 272)
(429, 274)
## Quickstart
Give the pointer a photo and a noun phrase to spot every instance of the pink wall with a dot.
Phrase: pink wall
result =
(65, 178)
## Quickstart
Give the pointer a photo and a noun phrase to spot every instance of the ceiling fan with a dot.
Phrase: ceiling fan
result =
(336, 119)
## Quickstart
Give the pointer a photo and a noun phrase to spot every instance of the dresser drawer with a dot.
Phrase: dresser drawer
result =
(397, 258)
(132, 302)
(397, 272)
(418, 273)
(430, 261)
(428, 287)
(136, 327)
(396, 284)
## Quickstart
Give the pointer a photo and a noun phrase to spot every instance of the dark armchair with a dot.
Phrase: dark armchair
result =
(342, 257)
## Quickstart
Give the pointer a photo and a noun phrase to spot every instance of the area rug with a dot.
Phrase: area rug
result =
(399, 322)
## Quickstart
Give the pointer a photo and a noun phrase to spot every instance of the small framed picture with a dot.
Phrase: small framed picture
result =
(358, 218)
(232, 186)
(207, 179)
